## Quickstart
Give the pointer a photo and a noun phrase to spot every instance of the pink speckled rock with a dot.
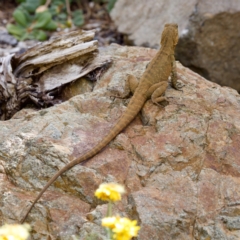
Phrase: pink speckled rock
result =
(179, 162)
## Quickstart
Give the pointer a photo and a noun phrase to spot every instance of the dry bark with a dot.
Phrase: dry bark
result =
(40, 73)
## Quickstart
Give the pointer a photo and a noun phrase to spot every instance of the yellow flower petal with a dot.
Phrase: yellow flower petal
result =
(109, 192)
(125, 229)
(14, 232)
(109, 222)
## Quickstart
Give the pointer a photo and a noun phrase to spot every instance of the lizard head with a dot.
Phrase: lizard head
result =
(170, 34)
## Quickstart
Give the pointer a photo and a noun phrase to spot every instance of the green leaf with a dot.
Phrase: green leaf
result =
(20, 1)
(56, 7)
(20, 17)
(24, 36)
(53, 10)
(110, 5)
(78, 18)
(51, 26)
(62, 16)
(42, 19)
(16, 30)
(29, 36)
(27, 15)
(40, 35)
(61, 2)
(32, 5)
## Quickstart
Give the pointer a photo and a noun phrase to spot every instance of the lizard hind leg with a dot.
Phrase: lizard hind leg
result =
(132, 82)
(156, 91)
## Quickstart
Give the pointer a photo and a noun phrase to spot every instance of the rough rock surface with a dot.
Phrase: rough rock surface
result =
(179, 162)
(209, 33)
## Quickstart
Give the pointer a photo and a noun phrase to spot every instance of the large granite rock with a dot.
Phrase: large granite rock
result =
(179, 162)
(209, 33)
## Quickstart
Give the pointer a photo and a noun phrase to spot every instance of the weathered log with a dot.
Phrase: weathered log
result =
(37, 73)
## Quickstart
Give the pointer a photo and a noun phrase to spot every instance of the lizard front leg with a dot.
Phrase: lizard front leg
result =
(175, 84)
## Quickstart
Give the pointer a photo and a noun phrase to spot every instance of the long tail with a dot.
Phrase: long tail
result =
(132, 110)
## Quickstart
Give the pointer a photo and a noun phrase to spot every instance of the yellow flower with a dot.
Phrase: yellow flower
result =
(14, 232)
(109, 192)
(123, 228)
(109, 222)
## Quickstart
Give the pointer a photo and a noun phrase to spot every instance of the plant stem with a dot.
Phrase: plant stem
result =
(109, 210)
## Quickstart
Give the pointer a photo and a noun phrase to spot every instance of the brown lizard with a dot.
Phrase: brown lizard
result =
(153, 83)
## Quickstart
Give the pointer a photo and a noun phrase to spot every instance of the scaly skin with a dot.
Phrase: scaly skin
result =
(153, 83)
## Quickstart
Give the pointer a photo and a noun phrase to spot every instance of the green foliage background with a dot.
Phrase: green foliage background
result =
(32, 25)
